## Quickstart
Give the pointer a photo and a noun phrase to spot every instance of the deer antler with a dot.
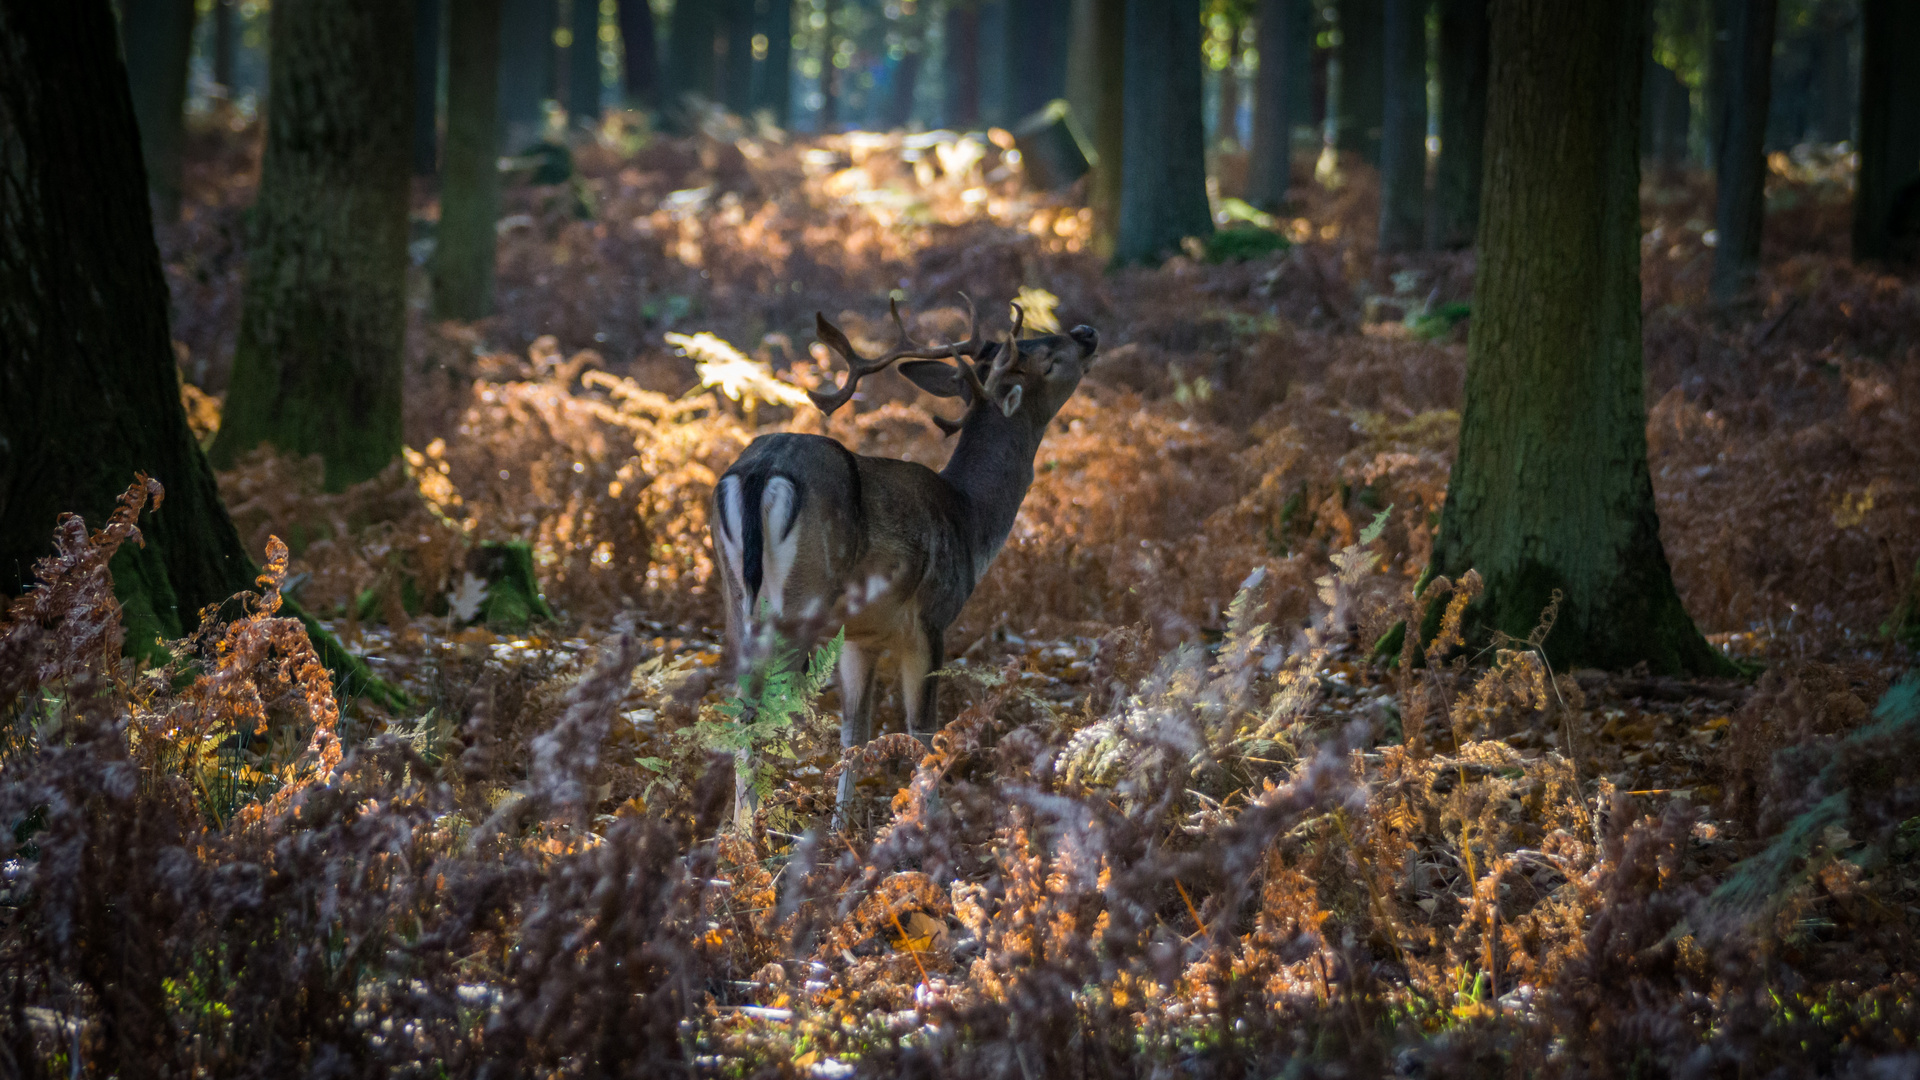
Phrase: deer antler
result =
(859, 367)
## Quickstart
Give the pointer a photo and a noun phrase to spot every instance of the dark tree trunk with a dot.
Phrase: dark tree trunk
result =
(991, 63)
(1109, 39)
(89, 394)
(1362, 78)
(1787, 117)
(224, 44)
(1742, 172)
(773, 77)
(1667, 114)
(426, 86)
(1403, 127)
(583, 66)
(1277, 25)
(470, 183)
(1889, 128)
(963, 66)
(1550, 490)
(526, 70)
(906, 77)
(640, 71)
(1163, 180)
(318, 363)
(1035, 55)
(1463, 122)
(1835, 82)
(158, 38)
(736, 83)
(690, 58)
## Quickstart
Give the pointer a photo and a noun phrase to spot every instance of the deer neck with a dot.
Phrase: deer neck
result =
(992, 468)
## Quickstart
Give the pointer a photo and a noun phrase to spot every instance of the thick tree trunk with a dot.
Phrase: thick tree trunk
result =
(526, 71)
(1742, 174)
(1035, 55)
(1163, 181)
(470, 183)
(224, 44)
(1403, 128)
(89, 394)
(736, 82)
(158, 38)
(1109, 32)
(1889, 122)
(773, 77)
(691, 68)
(318, 363)
(1550, 490)
(1277, 25)
(1362, 78)
(963, 66)
(640, 70)
(1836, 85)
(1463, 123)
(426, 86)
(583, 66)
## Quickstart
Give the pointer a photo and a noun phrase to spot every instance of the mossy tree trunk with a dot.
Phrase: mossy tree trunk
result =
(1107, 39)
(1403, 127)
(157, 36)
(640, 67)
(317, 368)
(1282, 31)
(1741, 156)
(1550, 488)
(1463, 123)
(773, 77)
(1889, 120)
(1362, 78)
(463, 254)
(89, 394)
(1163, 178)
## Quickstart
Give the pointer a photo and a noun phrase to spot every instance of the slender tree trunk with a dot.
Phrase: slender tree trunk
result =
(829, 117)
(906, 77)
(996, 97)
(224, 44)
(1362, 78)
(691, 68)
(773, 77)
(737, 79)
(1889, 120)
(158, 39)
(1109, 122)
(463, 253)
(1742, 153)
(1463, 122)
(963, 66)
(317, 367)
(426, 86)
(1836, 83)
(526, 71)
(1403, 128)
(641, 67)
(1550, 491)
(1163, 181)
(1035, 55)
(1226, 120)
(583, 66)
(1270, 162)
(1083, 64)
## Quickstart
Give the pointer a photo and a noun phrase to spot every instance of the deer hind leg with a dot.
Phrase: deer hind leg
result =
(858, 673)
(919, 687)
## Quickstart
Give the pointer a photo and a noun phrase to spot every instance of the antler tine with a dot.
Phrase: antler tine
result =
(1004, 362)
(893, 307)
(859, 367)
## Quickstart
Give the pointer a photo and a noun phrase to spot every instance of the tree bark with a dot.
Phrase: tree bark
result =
(224, 44)
(1463, 122)
(996, 97)
(1889, 121)
(963, 66)
(1280, 29)
(773, 77)
(583, 66)
(526, 71)
(737, 79)
(1109, 40)
(1035, 55)
(317, 368)
(158, 39)
(1403, 127)
(1163, 180)
(463, 254)
(426, 86)
(690, 58)
(1836, 85)
(640, 71)
(1226, 118)
(1362, 78)
(1550, 491)
(1742, 157)
(900, 90)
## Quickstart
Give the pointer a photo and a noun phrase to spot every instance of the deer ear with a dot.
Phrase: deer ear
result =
(936, 378)
(1010, 401)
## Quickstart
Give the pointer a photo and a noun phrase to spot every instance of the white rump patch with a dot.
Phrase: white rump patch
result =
(733, 520)
(780, 540)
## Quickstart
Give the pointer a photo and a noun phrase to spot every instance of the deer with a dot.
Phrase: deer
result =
(809, 535)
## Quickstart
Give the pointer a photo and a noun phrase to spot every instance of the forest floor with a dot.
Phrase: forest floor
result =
(1159, 829)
